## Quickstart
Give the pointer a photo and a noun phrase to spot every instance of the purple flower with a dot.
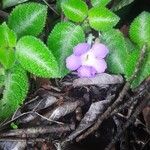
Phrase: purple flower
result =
(88, 60)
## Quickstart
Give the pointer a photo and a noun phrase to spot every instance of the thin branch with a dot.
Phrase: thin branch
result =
(23, 139)
(130, 120)
(28, 113)
(50, 7)
(38, 130)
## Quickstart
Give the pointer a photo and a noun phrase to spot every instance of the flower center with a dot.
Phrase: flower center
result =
(88, 58)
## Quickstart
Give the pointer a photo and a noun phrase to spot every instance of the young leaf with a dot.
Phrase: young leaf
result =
(9, 3)
(118, 51)
(99, 2)
(16, 87)
(140, 29)
(36, 58)
(102, 19)
(7, 42)
(61, 41)
(75, 10)
(28, 19)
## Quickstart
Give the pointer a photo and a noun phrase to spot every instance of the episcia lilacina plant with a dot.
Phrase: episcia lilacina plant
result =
(21, 50)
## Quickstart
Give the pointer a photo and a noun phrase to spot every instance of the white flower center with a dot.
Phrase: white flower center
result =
(88, 59)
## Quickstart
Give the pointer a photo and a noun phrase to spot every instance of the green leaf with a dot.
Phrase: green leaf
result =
(102, 19)
(118, 51)
(7, 37)
(28, 19)
(1, 80)
(58, 5)
(131, 46)
(99, 2)
(75, 10)
(131, 63)
(9, 3)
(140, 34)
(119, 4)
(36, 58)
(144, 72)
(7, 42)
(2, 71)
(7, 57)
(16, 87)
(61, 41)
(14, 125)
(144, 69)
(140, 29)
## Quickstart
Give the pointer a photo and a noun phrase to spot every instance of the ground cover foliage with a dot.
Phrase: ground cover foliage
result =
(44, 105)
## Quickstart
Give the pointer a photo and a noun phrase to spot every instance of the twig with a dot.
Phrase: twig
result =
(22, 139)
(126, 87)
(148, 141)
(132, 101)
(50, 7)
(106, 114)
(36, 131)
(27, 113)
(50, 120)
(130, 120)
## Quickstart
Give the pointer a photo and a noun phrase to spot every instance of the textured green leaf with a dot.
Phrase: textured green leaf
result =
(1, 81)
(2, 77)
(9, 3)
(131, 63)
(7, 57)
(140, 29)
(144, 69)
(16, 87)
(131, 46)
(7, 42)
(28, 19)
(102, 19)
(75, 10)
(7, 37)
(61, 41)
(119, 4)
(144, 72)
(36, 58)
(58, 5)
(118, 51)
(2, 71)
(100, 2)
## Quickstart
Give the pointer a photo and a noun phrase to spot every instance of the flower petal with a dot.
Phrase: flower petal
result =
(81, 48)
(86, 71)
(99, 50)
(73, 62)
(99, 65)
